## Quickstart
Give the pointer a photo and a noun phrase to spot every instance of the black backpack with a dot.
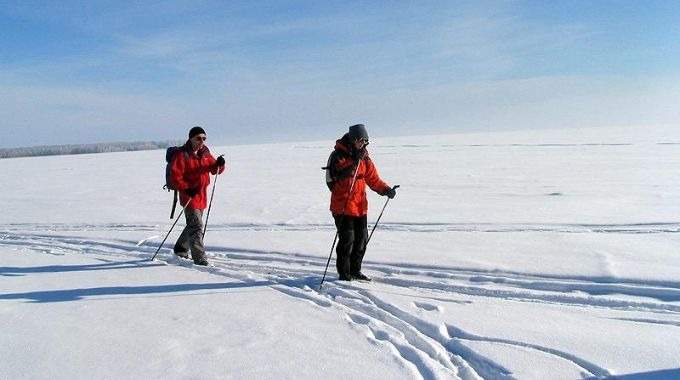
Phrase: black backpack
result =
(332, 173)
(330, 180)
(169, 154)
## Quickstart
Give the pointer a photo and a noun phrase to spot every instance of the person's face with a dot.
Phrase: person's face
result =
(198, 141)
(360, 143)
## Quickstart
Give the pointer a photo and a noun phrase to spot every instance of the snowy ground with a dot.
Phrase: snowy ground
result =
(546, 254)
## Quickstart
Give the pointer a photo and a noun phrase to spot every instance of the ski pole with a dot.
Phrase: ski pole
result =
(342, 217)
(171, 228)
(335, 239)
(205, 227)
(379, 216)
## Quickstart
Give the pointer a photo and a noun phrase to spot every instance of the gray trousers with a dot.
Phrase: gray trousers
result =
(191, 238)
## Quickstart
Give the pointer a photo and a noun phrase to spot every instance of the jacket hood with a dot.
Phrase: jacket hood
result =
(344, 144)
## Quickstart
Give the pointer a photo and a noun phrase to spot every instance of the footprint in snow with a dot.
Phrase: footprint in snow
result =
(427, 306)
(358, 319)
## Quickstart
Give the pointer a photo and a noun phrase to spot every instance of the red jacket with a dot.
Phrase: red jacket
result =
(190, 170)
(342, 164)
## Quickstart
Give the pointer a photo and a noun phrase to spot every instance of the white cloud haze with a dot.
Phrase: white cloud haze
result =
(306, 74)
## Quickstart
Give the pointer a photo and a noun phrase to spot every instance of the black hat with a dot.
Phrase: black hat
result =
(358, 131)
(196, 131)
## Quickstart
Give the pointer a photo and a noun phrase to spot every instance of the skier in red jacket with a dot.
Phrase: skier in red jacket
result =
(349, 170)
(190, 170)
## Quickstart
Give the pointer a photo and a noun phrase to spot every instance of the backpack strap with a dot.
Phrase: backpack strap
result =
(174, 205)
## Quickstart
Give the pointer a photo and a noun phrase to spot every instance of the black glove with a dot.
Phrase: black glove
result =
(391, 193)
(220, 161)
(191, 191)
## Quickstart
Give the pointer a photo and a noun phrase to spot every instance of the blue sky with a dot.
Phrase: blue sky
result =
(76, 72)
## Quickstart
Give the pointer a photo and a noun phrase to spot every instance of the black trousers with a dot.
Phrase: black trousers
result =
(352, 236)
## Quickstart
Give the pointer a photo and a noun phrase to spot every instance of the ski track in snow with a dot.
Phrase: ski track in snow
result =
(432, 350)
(630, 228)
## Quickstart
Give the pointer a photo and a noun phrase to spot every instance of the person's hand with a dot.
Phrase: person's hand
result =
(192, 192)
(391, 192)
(220, 161)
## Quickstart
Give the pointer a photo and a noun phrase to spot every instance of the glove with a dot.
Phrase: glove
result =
(220, 161)
(391, 193)
(191, 191)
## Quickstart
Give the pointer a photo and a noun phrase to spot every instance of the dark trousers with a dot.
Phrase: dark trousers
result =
(192, 235)
(352, 236)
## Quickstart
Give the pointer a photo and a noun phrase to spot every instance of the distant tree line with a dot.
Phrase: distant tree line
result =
(54, 150)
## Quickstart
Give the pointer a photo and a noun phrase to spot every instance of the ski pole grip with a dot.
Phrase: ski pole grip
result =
(218, 172)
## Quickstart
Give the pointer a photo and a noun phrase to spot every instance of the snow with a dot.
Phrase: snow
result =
(526, 254)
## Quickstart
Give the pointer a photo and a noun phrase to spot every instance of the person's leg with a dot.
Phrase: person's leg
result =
(360, 228)
(194, 230)
(182, 245)
(344, 247)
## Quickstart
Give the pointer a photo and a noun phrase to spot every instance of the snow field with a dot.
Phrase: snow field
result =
(516, 255)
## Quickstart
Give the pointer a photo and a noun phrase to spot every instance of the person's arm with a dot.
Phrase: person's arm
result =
(373, 180)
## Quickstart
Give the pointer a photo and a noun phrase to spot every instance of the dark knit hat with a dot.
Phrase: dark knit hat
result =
(196, 131)
(358, 131)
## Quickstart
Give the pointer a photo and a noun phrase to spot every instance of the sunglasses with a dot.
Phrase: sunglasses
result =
(200, 138)
(364, 141)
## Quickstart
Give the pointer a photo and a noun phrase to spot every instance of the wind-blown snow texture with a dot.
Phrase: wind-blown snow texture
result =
(549, 254)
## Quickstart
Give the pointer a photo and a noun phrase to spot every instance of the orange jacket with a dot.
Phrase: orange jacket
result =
(342, 165)
(190, 170)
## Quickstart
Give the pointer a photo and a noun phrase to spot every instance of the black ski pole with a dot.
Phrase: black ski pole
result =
(171, 228)
(379, 216)
(335, 239)
(342, 217)
(205, 227)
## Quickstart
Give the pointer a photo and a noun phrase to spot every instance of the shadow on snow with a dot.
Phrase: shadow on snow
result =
(18, 271)
(663, 374)
(79, 294)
